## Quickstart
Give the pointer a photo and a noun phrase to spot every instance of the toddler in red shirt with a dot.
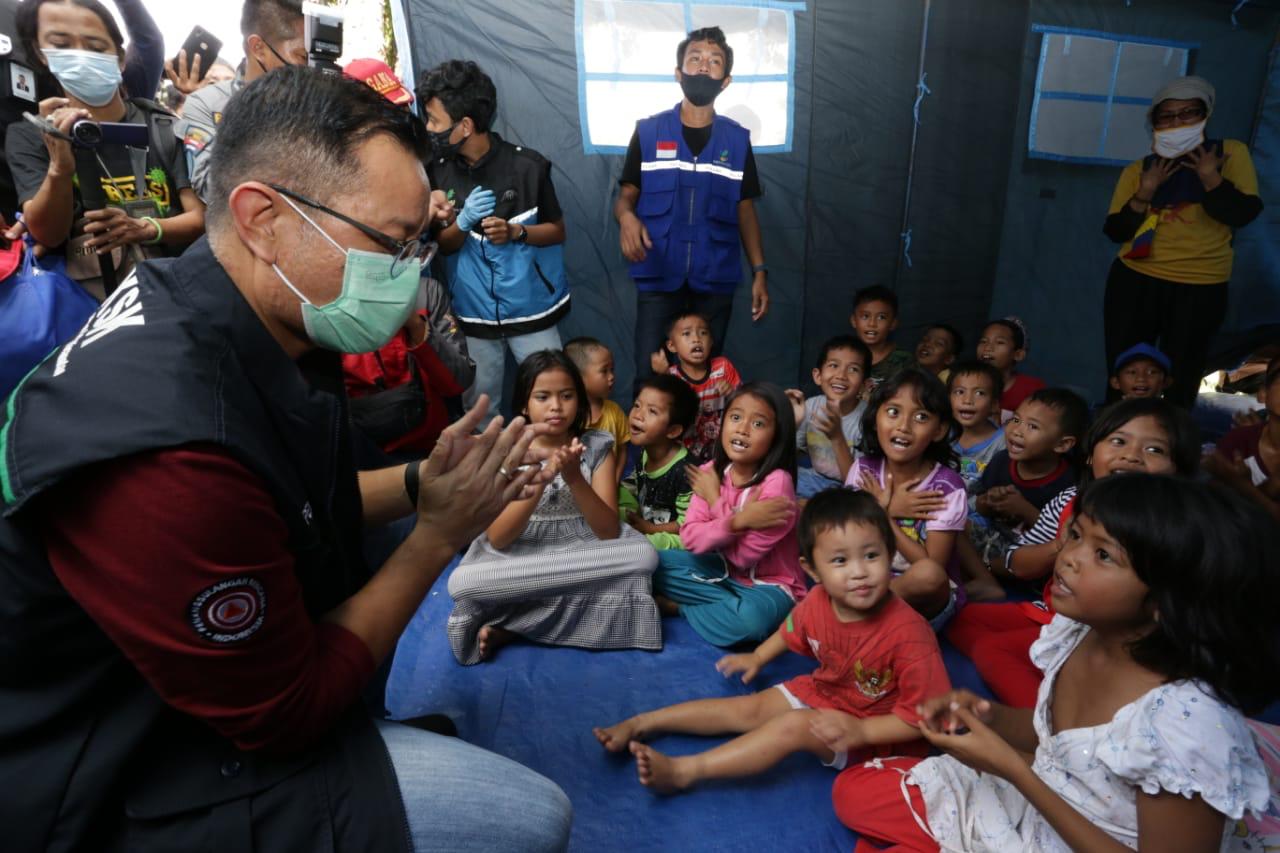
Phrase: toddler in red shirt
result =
(877, 657)
(712, 379)
(1003, 345)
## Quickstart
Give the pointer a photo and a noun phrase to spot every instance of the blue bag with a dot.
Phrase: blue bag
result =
(40, 308)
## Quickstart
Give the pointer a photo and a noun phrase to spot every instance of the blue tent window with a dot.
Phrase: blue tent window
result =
(627, 58)
(1092, 94)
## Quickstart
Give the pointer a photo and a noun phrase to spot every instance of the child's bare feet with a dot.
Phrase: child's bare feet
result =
(493, 638)
(666, 606)
(618, 737)
(984, 589)
(659, 772)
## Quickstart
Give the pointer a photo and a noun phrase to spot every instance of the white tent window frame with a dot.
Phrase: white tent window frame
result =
(1092, 91)
(611, 99)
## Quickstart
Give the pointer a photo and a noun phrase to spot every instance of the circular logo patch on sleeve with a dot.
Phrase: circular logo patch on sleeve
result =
(229, 611)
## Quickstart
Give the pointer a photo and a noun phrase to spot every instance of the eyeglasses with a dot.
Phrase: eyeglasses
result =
(1183, 116)
(420, 248)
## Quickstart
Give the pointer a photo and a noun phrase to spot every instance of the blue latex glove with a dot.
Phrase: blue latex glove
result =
(480, 203)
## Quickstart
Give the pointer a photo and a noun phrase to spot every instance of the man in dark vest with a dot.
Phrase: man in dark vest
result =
(186, 623)
(686, 206)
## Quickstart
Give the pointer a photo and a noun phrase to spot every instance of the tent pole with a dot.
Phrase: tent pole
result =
(904, 234)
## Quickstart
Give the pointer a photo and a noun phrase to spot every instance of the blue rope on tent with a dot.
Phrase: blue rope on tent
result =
(921, 91)
(906, 246)
(1235, 22)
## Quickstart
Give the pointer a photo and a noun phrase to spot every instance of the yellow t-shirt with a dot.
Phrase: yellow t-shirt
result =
(1191, 247)
(614, 421)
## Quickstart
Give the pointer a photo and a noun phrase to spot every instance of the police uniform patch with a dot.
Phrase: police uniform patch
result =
(229, 611)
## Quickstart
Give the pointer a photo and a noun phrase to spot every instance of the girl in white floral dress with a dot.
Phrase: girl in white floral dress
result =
(1164, 592)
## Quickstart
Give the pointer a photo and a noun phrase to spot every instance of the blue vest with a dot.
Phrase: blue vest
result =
(690, 205)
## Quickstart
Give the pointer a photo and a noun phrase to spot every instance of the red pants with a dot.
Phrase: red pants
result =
(869, 801)
(998, 638)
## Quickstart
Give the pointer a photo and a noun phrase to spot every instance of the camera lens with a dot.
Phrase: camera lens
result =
(86, 132)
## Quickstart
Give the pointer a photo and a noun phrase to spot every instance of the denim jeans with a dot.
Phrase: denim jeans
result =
(490, 356)
(655, 310)
(460, 798)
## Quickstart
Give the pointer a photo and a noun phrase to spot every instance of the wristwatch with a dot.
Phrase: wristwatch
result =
(523, 235)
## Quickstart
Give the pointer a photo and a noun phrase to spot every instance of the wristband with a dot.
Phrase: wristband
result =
(159, 230)
(411, 474)
(755, 268)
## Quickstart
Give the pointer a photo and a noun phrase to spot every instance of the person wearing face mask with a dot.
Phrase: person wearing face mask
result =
(103, 207)
(686, 206)
(273, 37)
(1175, 212)
(502, 243)
(189, 620)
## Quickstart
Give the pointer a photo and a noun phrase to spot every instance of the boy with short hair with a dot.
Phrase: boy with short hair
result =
(939, 347)
(875, 316)
(594, 361)
(1003, 345)
(712, 379)
(829, 424)
(1036, 465)
(974, 388)
(877, 661)
(1141, 371)
(656, 496)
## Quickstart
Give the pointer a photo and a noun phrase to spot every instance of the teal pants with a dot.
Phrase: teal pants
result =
(723, 611)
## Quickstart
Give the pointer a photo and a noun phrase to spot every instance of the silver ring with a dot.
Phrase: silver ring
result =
(502, 469)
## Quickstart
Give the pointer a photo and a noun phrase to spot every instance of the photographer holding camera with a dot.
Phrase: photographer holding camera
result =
(98, 202)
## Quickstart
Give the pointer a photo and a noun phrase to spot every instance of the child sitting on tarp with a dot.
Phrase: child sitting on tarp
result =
(656, 496)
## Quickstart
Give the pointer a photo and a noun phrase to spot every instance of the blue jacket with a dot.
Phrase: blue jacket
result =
(515, 288)
(690, 205)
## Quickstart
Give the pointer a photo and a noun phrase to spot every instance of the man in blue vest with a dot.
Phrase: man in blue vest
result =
(503, 251)
(686, 205)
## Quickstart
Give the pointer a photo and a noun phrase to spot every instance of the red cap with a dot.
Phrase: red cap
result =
(379, 77)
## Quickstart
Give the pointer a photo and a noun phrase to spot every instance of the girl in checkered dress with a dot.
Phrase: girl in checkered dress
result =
(557, 568)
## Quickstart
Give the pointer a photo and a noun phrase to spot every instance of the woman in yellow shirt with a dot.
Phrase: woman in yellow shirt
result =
(1175, 212)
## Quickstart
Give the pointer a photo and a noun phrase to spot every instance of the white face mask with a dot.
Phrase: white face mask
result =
(1177, 141)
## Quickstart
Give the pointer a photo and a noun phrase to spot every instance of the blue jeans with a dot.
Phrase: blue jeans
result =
(809, 482)
(459, 797)
(490, 356)
(655, 311)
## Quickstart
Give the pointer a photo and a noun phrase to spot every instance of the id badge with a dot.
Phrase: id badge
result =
(139, 208)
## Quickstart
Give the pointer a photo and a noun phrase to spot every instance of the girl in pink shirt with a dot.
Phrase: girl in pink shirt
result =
(741, 573)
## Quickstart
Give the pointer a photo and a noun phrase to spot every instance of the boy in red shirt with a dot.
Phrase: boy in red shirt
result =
(712, 379)
(1003, 345)
(877, 660)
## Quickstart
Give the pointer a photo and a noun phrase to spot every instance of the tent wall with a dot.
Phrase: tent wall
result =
(1053, 255)
(992, 231)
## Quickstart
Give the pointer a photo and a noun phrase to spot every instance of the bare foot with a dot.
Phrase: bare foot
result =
(666, 606)
(493, 638)
(984, 590)
(618, 737)
(658, 772)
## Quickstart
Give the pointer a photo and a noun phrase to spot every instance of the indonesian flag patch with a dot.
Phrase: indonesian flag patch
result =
(667, 150)
(229, 611)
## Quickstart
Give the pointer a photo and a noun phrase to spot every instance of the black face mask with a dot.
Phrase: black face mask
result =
(700, 89)
(441, 147)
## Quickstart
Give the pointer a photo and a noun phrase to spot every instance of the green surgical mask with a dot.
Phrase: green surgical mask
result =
(372, 307)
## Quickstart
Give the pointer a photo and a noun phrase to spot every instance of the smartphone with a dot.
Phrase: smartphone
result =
(200, 43)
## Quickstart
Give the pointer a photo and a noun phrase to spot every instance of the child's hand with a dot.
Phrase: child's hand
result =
(568, 461)
(939, 712)
(796, 396)
(1011, 503)
(907, 503)
(658, 361)
(747, 664)
(1247, 418)
(829, 421)
(639, 522)
(840, 732)
(705, 483)
(724, 387)
(1233, 472)
(871, 485)
(763, 514)
(980, 747)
